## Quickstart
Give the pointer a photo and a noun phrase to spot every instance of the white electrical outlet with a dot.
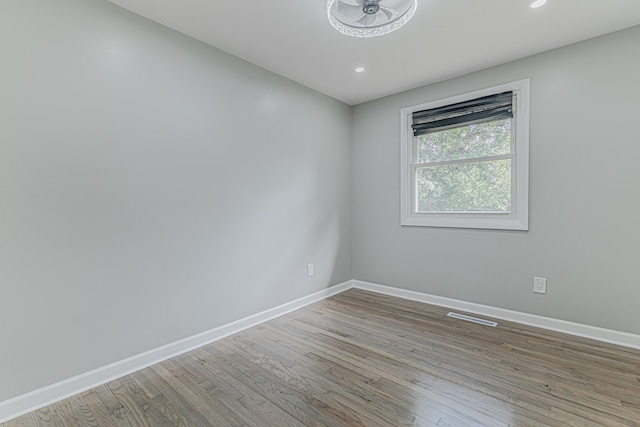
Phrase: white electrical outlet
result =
(309, 270)
(539, 285)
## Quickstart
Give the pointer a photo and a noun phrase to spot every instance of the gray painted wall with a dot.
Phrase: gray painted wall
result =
(151, 188)
(584, 194)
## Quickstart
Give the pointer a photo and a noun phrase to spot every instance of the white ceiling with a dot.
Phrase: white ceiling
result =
(445, 38)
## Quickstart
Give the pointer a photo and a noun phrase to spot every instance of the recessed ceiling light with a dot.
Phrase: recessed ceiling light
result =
(359, 69)
(538, 3)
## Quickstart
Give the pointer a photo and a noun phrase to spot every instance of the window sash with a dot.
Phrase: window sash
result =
(414, 175)
(507, 156)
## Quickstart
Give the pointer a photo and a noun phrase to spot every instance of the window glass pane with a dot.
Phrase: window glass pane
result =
(467, 187)
(466, 142)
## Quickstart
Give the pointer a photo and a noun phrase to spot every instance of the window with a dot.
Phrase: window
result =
(465, 160)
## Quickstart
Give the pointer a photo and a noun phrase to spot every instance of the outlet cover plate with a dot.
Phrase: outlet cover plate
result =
(539, 285)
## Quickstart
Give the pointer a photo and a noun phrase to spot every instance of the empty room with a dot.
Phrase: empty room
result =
(319, 213)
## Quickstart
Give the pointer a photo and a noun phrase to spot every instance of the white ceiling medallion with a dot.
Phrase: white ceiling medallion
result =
(369, 18)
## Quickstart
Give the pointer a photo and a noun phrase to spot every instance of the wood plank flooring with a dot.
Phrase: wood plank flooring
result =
(364, 359)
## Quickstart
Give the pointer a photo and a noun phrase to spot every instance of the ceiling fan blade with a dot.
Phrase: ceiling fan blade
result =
(367, 20)
(349, 10)
(391, 14)
(360, 2)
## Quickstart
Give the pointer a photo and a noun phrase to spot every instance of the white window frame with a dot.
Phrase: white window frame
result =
(518, 218)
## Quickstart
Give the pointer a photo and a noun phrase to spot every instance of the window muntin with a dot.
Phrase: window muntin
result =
(467, 174)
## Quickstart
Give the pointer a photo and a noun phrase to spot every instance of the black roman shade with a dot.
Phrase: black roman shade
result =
(480, 110)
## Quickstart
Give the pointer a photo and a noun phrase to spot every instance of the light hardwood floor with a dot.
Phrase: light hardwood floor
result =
(364, 359)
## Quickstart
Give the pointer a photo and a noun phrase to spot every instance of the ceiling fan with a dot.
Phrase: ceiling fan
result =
(369, 18)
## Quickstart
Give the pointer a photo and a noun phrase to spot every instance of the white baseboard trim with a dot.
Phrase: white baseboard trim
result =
(47, 395)
(44, 396)
(600, 334)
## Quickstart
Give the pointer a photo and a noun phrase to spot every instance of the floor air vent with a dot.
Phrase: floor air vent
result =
(472, 319)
